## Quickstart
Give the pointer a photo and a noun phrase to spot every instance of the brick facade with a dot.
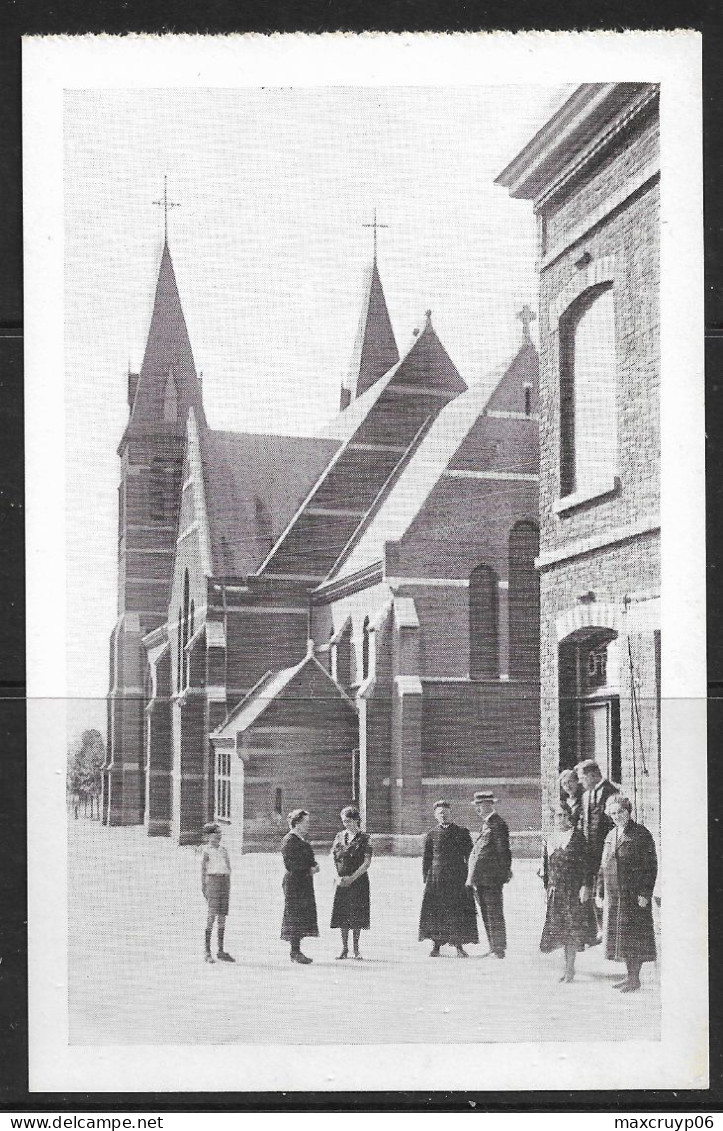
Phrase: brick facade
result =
(596, 196)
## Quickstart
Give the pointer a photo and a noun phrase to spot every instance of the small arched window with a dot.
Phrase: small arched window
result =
(157, 491)
(186, 625)
(483, 624)
(365, 649)
(524, 602)
(179, 663)
(588, 380)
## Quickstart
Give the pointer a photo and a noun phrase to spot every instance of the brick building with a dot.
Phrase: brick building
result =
(311, 621)
(592, 173)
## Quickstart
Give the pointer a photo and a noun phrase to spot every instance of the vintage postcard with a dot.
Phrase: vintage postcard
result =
(365, 562)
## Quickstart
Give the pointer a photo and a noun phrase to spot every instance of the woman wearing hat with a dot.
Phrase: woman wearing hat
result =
(299, 920)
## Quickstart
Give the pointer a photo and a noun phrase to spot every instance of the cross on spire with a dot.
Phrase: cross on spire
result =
(374, 225)
(165, 204)
(526, 316)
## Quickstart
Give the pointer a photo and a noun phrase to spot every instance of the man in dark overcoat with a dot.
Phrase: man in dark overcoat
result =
(489, 869)
(596, 824)
(448, 911)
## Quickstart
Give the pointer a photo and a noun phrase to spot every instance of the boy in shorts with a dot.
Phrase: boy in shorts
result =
(216, 885)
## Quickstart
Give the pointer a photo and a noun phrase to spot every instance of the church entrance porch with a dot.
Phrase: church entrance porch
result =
(296, 736)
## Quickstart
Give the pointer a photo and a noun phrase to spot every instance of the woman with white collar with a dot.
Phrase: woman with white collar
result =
(568, 922)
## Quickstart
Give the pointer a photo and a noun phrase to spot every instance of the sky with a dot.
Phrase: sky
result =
(274, 187)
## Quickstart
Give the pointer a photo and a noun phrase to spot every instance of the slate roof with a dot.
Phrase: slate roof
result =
(393, 513)
(168, 351)
(277, 685)
(379, 440)
(254, 484)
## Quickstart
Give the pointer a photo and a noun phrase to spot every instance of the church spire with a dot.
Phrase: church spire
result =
(167, 384)
(375, 348)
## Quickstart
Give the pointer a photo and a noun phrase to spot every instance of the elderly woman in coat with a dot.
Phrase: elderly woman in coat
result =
(299, 920)
(628, 871)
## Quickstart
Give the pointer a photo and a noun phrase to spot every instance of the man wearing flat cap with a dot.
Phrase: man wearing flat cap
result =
(489, 869)
(448, 912)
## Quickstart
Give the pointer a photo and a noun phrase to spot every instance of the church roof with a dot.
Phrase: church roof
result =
(335, 513)
(168, 361)
(394, 512)
(375, 348)
(306, 680)
(253, 485)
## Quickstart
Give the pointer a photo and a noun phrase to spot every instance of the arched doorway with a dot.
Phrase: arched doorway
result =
(589, 700)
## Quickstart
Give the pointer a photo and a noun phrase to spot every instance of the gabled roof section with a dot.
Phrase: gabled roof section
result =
(399, 408)
(399, 506)
(375, 348)
(253, 486)
(522, 373)
(167, 386)
(304, 681)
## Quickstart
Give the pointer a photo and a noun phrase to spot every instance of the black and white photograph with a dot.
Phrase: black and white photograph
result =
(365, 551)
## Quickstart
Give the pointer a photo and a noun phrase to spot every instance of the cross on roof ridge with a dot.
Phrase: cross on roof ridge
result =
(375, 226)
(165, 204)
(526, 317)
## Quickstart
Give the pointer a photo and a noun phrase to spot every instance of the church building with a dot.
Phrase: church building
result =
(315, 621)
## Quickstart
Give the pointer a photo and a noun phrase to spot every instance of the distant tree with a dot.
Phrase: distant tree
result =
(85, 769)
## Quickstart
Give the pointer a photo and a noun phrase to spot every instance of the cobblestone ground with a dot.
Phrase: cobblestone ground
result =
(137, 975)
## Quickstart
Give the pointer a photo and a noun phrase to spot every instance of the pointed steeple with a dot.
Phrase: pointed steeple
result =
(168, 373)
(375, 348)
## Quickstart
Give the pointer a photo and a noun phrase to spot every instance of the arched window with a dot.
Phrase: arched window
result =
(588, 413)
(179, 665)
(186, 625)
(483, 624)
(343, 649)
(365, 649)
(524, 602)
(191, 630)
(157, 491)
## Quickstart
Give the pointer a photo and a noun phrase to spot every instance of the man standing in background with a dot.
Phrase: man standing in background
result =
(489, 869)
(595, 822)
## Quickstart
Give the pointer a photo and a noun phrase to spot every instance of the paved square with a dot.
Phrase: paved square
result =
(137, 975)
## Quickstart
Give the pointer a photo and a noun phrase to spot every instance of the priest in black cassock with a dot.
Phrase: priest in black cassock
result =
(448, 909)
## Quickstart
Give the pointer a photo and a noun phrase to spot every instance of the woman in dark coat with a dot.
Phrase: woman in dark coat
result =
(628, 871)
(299, 920)
(571, 792)
(570, 919)
(352, 852)
(448, 911)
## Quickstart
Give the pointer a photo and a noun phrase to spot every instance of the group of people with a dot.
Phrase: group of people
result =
(599, 869)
